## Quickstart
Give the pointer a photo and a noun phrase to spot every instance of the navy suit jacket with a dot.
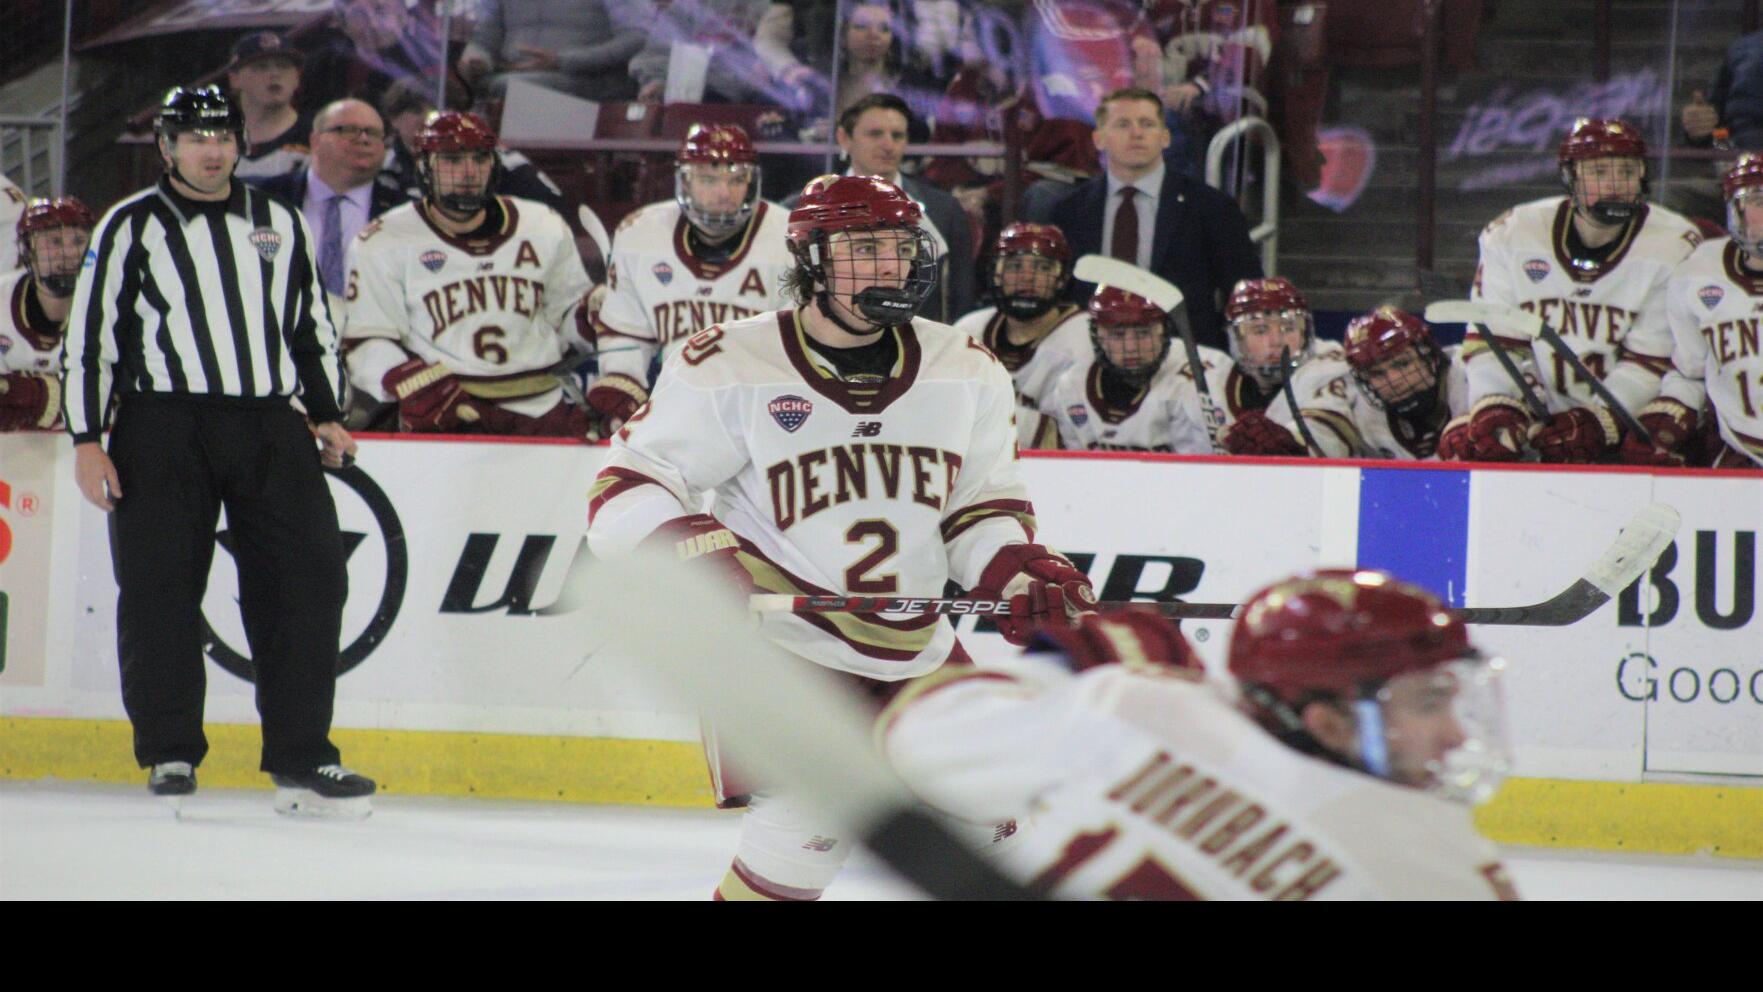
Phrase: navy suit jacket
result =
(1200, 243)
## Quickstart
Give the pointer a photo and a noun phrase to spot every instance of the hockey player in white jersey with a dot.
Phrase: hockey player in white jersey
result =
(852, 450)
(1364, 722)
(1712, 303)
(52, 240)
(459, 304)
(714, 254)
(1265, 319)
(1402, 392)
(1029, 326)
(1593, 265)
(1130, 394)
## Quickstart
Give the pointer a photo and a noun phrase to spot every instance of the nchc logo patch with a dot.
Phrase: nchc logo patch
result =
(433, 260)
(1536, 269)
(266, 241)
(790, 412)
(1711, 296)
(663, 272)
(1079, 414)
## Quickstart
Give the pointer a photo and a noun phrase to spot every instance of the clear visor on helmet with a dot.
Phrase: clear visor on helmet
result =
(1744, 220)
(718, 199)
(1257, 341)
(1609, 190)
(1442, 730)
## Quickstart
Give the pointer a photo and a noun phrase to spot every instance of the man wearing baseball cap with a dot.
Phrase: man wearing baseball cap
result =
(263, 74)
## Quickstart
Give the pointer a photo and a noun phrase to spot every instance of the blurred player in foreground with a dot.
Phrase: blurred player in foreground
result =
(852, 449)
(1366, 724)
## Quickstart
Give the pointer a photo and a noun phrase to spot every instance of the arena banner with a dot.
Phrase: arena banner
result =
(28, 476)
(458, 552)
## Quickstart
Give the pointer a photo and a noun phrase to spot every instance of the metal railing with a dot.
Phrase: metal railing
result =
(1266, 233)
(31, 153)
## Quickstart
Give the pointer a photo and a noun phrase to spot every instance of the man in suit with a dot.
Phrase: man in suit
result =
(1141, 212)
(341, 188)
(872, 134)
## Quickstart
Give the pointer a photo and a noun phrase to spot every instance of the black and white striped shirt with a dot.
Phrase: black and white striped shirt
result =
(214, 299)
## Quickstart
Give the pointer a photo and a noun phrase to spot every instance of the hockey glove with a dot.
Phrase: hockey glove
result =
(29, 401)
(1672, 425)
(701, 537)
(1491, 432)
(615, 398)
(429, 397)
(1043, 587)
(1137, 637)
(1577, 436)
(1254, 433)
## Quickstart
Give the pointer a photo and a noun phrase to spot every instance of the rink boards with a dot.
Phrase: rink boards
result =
(1640, 727)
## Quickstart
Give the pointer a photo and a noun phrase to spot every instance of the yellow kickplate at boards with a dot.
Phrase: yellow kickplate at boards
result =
(1649, 817)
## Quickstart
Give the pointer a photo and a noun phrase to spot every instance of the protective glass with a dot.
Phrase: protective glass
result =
(718, 200)
(1744, 220)
(1442, 730)
(1257, 340)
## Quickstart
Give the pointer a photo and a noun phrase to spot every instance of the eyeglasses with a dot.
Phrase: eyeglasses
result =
(352, 131)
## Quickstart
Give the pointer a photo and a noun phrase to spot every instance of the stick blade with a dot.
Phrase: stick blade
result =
(590, 222)
(1105, 271)
(1507, 321)
(1640, 544)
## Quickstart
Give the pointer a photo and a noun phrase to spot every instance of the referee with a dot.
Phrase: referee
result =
(200, 307)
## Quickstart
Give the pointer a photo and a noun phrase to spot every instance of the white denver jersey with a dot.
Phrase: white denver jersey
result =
(660, 293)
(832, 488)
(496, 311)
(1151, 785)
(26, 345)
(12, 204)
(1035, 367)
(1612, 314)
(1372, 431)
(1165, 416)
(1715, 306)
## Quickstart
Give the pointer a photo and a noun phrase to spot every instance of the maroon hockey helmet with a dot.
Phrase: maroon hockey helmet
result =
(1112, 306)
(455, 131)
(1044, 240)
(717, 144)
(832, 205)
(1274, 294)
(1595, 137)
(47, 215)
(1373, 339)
(1341, 632)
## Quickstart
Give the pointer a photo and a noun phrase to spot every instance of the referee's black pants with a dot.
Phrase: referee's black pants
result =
(179, 461)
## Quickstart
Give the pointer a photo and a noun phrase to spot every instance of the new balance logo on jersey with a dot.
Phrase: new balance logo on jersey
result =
(868, 428)
(820, 844)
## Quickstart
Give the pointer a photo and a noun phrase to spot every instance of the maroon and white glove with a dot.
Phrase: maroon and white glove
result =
(702, 537)
(29, 401)
(1255, 433)
(1672, 425)
(615, 398)
(1137, 637)
(1043, 587)
(1492, 431)
(1576, 436)
(429, 397)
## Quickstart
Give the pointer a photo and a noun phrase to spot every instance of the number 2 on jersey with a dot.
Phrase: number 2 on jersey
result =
(857, 577)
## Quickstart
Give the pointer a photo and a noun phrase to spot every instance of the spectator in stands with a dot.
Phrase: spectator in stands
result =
(582, 47)
(408, 106)
(263, 74)
(366, 45)
(1735, 104)
(725, 34)
(1145, 213)
(872, 135)
(342, 187)
(1209, 69)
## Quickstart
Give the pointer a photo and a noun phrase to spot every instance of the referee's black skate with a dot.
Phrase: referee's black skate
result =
(172, 778)
(327, 791)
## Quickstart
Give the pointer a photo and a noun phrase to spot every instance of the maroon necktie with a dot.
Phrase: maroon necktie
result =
(1126, 228)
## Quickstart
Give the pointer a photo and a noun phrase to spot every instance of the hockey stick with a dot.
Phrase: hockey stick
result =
(1290, 369)
(1530, 326)
(1105, 271)
(1448, 312)
(596, 231)
(1633, 552)
(790, 722)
